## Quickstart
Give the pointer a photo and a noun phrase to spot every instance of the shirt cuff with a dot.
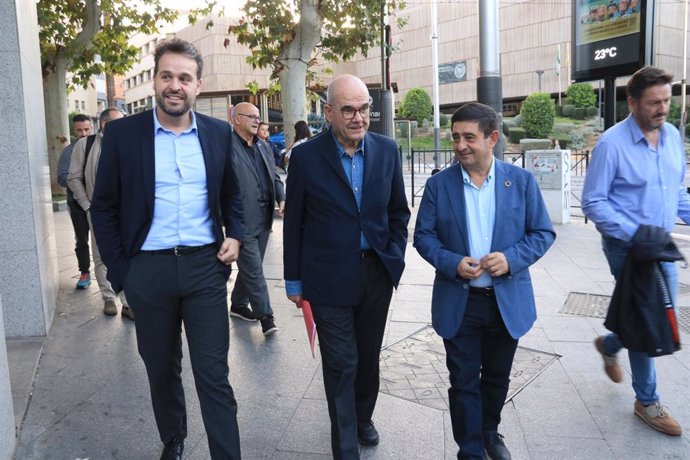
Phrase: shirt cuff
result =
(293, 287)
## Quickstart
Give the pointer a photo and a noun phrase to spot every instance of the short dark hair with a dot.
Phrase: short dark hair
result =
(80, 117)
(485, 116)
(105, 116)
(262, 123)
(644, 78)
(178, 46)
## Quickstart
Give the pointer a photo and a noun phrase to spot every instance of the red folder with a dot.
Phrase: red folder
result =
(310, 324)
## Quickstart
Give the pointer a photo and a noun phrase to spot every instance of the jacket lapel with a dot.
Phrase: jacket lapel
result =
(502, 190)
(330, 154)
(148, 159)
(455, 187)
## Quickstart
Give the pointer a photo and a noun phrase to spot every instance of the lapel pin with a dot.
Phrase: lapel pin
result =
(507, 183)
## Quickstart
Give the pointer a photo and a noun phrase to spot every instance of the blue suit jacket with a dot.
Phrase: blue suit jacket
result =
(523, 232)
(322, 223)
(123, 197)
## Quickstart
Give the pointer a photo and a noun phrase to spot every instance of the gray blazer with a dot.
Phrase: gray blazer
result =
(248, 180)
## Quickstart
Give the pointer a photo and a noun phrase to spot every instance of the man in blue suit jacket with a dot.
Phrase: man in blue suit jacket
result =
(167, 215)
(345, 233)
(481, 224)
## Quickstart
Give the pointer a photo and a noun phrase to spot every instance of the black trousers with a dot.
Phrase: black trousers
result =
(81, 234)
(350, 340)
(165, 292)
(479, 359)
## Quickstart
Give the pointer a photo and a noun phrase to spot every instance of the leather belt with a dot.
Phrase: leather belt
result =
(366, 253)
(486, 291)
(179, 250)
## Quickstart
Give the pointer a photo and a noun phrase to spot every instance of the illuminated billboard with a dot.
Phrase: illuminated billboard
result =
(611, 38)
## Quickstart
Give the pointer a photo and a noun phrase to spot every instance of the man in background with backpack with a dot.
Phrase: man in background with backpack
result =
(81, 125)
(81, 180)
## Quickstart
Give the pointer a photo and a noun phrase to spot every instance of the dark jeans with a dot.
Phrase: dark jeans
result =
(81, 234)
(479, 359)
(165, 291)
(350, 340)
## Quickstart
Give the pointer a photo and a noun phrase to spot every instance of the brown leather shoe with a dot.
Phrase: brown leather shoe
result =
(611, 366)
(657, 416)
(127, 312)
(109, 308)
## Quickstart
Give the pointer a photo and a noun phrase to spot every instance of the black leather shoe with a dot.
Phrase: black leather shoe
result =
(495, 447)
(367, 434)
(173, 449)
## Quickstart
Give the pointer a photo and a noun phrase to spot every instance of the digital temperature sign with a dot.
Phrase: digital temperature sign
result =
(611, 38)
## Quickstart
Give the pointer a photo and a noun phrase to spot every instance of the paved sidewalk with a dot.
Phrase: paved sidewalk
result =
(90, 397)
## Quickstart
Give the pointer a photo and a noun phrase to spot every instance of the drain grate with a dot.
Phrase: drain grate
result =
(584, 304)
(595, 306)
(415, 369)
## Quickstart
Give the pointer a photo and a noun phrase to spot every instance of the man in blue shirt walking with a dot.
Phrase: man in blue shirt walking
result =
(635, 178)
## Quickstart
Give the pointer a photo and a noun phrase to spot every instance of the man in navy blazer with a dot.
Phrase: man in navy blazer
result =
(345, 234)
(167, 215)
(481, 224)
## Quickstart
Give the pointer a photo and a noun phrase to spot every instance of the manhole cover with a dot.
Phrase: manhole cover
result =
(584, 304)
(415, 369)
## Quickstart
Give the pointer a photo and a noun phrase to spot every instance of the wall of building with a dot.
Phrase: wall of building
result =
(28, 260)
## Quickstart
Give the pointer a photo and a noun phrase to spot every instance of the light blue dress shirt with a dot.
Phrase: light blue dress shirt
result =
(630, 183)
(181, 216)
(480, 210)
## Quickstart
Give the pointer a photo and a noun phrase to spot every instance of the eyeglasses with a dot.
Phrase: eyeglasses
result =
(251, 117)
(349, 112)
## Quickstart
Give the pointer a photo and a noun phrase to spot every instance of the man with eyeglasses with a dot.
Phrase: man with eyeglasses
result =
(345, 234)
(261, 187)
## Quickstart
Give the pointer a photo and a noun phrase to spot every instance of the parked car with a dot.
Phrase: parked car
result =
(279, 138)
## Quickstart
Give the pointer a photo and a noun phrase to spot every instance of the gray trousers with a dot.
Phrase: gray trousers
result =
(250, 284)
(102, 272)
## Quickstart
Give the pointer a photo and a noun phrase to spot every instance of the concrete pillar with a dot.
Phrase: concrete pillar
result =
(8, 432)
(28, 260)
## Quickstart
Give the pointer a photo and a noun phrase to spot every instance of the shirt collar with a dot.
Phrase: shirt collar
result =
(638, 135)
(157, 125)
(489, 177)
(341, 150)
(255, 141)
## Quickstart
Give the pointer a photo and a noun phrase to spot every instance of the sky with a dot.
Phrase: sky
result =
(231, 6)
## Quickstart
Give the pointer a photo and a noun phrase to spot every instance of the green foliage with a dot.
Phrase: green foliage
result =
(563, 127)
(268, 27)
(517, 119)
(515, 134)
(538, 113)
(535, 144)
(507, 124)
(577, 139)
(592, 111)
(579, 113)
(559, 110)
(416, 104)
(621, 110)
(568, 110)
(444, 120)
(581, 95)
(80, 31)
(562, 138)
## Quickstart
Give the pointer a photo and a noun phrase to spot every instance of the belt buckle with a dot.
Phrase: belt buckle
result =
(175, 251)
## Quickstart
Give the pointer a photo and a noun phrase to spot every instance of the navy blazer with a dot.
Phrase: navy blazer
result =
(123, 198)
(522, 232)
(321, 232)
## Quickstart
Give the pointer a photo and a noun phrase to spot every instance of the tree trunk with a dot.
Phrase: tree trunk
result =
(57, 124)
(295, 58)
(110, 90)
